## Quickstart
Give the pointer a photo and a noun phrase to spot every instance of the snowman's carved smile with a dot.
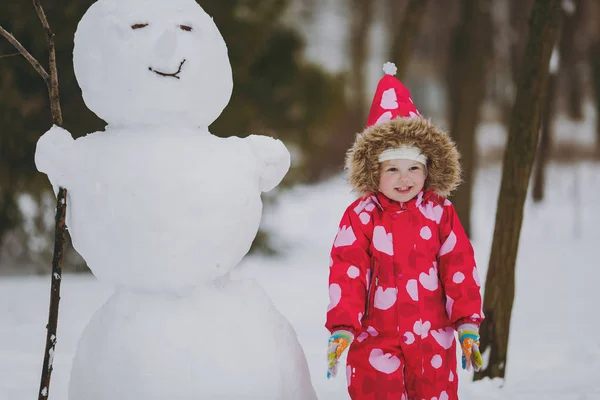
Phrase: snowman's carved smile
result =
(167, 74)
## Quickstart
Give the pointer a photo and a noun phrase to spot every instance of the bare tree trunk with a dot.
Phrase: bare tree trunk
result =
(361, 19)
(308, 9)
(51, 80)
(470, 51)
(504, 85)
(518, 11)
(8, 209)
(51, 327)
(518, 161)
(545, 142)
(571, 56)
(406, 32)
(594, 60)
(60, 216)
(595, 63)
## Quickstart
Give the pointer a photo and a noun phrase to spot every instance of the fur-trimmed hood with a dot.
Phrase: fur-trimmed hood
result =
(444, 172)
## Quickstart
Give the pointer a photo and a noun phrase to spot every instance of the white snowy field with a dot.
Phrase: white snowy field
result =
(554, 345)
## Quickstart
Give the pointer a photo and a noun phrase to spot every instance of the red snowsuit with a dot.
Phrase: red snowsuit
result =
(402, 278)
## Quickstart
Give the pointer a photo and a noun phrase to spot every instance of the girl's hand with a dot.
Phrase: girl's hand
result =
(338, 342)
(468, 336)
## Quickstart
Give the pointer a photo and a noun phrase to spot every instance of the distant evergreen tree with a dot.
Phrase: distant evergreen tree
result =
(275, 91)
(24, 106)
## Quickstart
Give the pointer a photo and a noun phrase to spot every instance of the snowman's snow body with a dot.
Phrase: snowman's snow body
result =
(163, 210)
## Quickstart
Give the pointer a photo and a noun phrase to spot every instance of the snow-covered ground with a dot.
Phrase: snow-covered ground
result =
(554, 347)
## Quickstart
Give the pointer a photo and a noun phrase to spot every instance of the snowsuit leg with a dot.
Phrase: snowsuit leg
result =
(375, 370)
(430, 370)
(379, 368)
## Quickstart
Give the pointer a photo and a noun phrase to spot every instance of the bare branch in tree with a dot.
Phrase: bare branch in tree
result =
(53, 84)
(9, 55)
(60, 225)
(59, 239)
(22, 50)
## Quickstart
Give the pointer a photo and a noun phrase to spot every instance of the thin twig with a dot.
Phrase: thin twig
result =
(60, 225)
(9, 55)
(59, 239)
(173, 75)
(38, 67)
(53, 83)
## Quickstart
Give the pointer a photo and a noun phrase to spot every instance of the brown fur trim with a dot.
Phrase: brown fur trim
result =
(442, 156)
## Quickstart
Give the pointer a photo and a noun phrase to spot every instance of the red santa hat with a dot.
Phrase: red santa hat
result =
(392, 100)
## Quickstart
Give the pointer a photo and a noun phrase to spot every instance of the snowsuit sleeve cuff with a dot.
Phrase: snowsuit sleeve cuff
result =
(344, 328)
(467, 320)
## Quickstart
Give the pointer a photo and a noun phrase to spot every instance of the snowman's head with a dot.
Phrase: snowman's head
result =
(152, 62)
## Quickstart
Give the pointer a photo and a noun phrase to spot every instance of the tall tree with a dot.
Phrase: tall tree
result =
(406, 32)
(308, 8)
(466, 79)
(361, 19)
(594, 60)
(571, 56)
(518, 161)
(545, 141)
(519, 11)
(511, 29)
(326, 149)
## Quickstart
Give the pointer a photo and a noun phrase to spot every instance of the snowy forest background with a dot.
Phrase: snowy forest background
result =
(304, 71)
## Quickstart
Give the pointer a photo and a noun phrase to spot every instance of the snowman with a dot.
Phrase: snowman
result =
(163, 210)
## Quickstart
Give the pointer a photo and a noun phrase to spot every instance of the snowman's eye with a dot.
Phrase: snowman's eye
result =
(138, 26)
(186, 28)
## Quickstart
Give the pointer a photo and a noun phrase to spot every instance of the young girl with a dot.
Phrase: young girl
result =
(402, 272)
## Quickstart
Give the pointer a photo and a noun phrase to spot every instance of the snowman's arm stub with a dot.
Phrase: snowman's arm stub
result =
(53, 154)
(273, 157)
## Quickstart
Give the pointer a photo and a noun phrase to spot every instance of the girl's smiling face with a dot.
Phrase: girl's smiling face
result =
(401, 179)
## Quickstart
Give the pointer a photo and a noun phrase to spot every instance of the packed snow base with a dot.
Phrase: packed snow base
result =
(167, 346)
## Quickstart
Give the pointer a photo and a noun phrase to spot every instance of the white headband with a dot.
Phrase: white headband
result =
(403, 152)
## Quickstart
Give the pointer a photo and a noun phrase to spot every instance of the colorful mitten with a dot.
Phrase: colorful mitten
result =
(338, 342)
(468, 336)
